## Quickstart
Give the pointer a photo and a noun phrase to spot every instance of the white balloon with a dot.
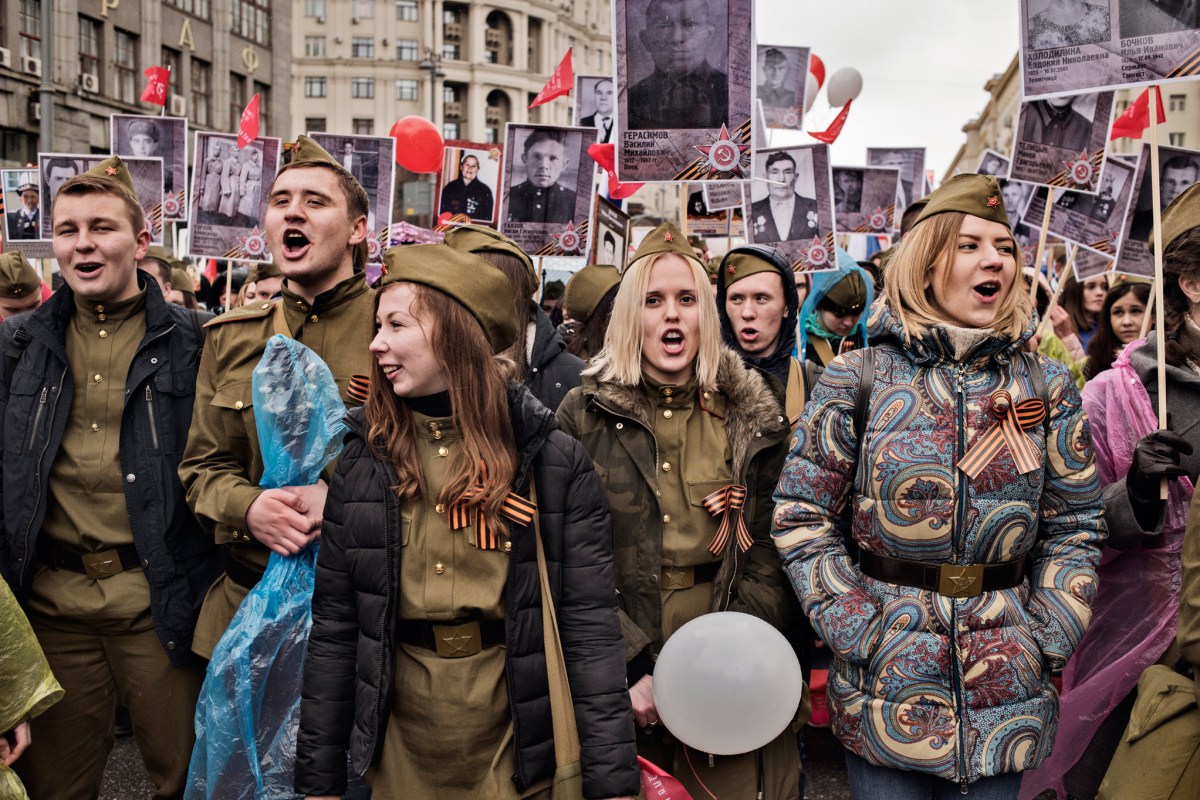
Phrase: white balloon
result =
(727, 683)
(843, 86)
(811, 89)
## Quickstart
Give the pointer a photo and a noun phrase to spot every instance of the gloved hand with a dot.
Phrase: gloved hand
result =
(1156, 456)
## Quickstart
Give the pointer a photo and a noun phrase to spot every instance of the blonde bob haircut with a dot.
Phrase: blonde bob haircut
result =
(910, 271)
(620, 360)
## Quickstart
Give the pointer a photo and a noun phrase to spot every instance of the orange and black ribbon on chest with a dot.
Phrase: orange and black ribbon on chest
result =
(468, 510)
(727, 503)
(1014, 420)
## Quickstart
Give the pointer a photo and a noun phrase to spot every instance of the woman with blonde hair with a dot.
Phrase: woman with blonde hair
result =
(962, 470)
(456, 505)
(688, 442)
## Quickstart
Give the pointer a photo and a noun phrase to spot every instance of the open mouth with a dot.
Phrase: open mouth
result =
(390, 369)
(88, 268)
(673, 342)
(988, 291)
(749, 334)
(294, 243)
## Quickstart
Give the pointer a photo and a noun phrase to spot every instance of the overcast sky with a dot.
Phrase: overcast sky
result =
(923, 62)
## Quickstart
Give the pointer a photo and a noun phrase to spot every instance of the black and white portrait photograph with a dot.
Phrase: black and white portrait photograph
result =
(791, 200)
(1094, 221)
(683, 70)
(713, 219)
(468, 180)
(146, 174)
(780, 83)
(372, 161)
(1055, 135)
(1072, 46)
(610, 235)
(865, 199)
(22, 216)
(1177, 170)
(229, 196)
(911, 163)
(547, 186)
(595, 105)
(992, 163)
(1015, 195)
(1088, 264)
(157, 137)
(54, 170)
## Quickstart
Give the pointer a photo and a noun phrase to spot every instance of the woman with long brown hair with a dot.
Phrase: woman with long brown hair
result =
(429, 650)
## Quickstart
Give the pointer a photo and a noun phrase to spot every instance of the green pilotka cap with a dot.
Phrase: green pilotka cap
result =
(181, 280)
(666, 238)
(741, 264)
(977, 195)
(115, 170)
(1180, 217)
(850, 292)
(482, 239)
(264, 271)
(466, 277)
(18, 278)
(587, 288)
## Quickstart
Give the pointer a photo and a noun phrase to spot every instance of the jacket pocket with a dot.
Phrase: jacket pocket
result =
(698, 490)
(27, 412)
(236, 401)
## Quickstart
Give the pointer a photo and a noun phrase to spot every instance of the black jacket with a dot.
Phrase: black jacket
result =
(350, 666)
(552, 370)
(36, 391)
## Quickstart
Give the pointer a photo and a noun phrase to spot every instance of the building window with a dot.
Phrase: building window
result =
(30, 26)
(490, 136)
(314, 8)
(314, 46)
(363, 9)
(252, 20)
(197, 8)
(406, 50)
(202, 93)
(450, 52)
(314, 86)
(314, 124)
(363, 127)
(89, 47)
(362, 87)
(362, 47)
(407, 89)
(1177, 102)
(1176, 139)
(450, 130)
(173, 61)
(125, 66)
(264, 107)
(406, 10)
(237, 99)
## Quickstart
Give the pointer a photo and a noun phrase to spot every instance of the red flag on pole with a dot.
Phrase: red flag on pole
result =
(560, 82)
(605, 156)
(156, 85)
(830, 134)
(1134, 121)
(656, 782)
(248, 127)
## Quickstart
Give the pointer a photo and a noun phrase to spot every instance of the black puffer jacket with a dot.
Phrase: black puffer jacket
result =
(350, 666)
(552, 370)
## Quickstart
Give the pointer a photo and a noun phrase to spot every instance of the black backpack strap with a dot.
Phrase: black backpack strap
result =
(1036, 376)
(812, 374)
(12, 353)
(866, 379)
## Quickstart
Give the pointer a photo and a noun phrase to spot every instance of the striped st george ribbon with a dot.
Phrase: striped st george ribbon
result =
(728, 502)
(1014, 419)
(468, 510)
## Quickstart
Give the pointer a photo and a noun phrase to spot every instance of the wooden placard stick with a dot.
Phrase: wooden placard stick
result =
(1062, 281)
(1037, 262)
(1159, 321)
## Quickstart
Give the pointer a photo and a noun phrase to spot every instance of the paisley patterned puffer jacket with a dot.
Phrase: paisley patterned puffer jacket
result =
(958, 688)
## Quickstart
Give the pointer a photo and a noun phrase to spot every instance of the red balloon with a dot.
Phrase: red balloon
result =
(419, 144)
(817, 67)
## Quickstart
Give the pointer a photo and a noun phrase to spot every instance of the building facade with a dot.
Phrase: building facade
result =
(66, 68)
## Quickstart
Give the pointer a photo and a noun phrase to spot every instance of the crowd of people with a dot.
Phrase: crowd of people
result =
(896, 464)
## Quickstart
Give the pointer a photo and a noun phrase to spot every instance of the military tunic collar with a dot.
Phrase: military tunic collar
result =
(343, 292)
(110, 312)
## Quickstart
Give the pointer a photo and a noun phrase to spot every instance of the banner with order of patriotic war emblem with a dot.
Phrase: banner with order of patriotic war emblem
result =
(146, 174)
(791, 205)
(137, 135)
(864, 199)
(1062, 141)
(230, 189)
(547, 188)
(1094, 221)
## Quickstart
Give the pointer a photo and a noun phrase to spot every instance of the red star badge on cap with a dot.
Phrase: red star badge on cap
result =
(731, 269)
(111, 170)
(667, 236)
(993, 201)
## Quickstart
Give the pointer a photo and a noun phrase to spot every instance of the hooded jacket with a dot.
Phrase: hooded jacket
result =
(552, 370)
(778, 362)
(957, 688)
(822, 283)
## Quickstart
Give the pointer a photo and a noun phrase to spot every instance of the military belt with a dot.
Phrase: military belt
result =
(687, 577)
(451, 640)
(950, 580)
(96, 566)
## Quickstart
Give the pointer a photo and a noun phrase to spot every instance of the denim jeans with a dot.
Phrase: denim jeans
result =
(869, 782)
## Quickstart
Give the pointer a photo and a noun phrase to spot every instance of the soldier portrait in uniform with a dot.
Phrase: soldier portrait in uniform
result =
(1052, 135)
(547, 188)
(787, 210)
(134, 135)
(228, 196)
(372, 162)
(610, 235)
(55, 170)
(23, 221)
(911, 163)
(468, 179)
(594, 105)
(994, 164)
(774, 90)
(865, 199)
(1055, 122)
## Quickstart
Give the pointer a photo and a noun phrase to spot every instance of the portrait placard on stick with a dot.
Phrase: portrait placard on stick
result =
(137, 135)
(780, 83)
(1094, 221)
(911, 163)
(1070, 46)
(791, 205)
(372, 161)
(610, 235)
(547, 188)
(1061, 141)
(230, 188)
(864, 199)
(146, 173)
(994, 164)
(468, 181)
(595, 105)
(683, 89)
(1178, 169)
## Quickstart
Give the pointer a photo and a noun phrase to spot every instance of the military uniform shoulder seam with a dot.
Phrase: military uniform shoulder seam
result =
(257, 311)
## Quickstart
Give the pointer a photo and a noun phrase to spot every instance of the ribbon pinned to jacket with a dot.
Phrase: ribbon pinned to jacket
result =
(728, 502)
(515, 509)
(1014, 420)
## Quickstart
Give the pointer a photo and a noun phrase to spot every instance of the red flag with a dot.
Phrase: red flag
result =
(1134, 121)
(830, 134)
(605, 155)
(210, 270)
(560, 82)
(156, 85)
(248, 127)
(656, 783)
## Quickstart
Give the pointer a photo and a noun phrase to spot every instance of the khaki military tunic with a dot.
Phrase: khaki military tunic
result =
(222, 463)
(450, 730)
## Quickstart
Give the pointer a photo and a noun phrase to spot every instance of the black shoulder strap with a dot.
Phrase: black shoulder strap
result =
(1036, 376)
(812, 374)
(12, 354)
(866, 379)
(201, 334)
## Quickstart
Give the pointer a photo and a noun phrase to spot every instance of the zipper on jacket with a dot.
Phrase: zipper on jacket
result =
(37, 496)
(518, 764)
(37, 418)
(150, 413)
(384, 627)
(960, 529)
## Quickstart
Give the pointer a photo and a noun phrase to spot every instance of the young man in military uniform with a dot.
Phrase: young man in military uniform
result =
(96, 536)
(316, 227)
(20, 286)
(540, 197)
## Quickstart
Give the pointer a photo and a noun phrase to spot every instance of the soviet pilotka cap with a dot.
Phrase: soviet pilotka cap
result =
(464, 276)
(666, 238)
(977, 195)
(849, 293)
(481, 239)
(115, 170)
(587, 288)
(743, 262)
(1180, 217)
(18, 279)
